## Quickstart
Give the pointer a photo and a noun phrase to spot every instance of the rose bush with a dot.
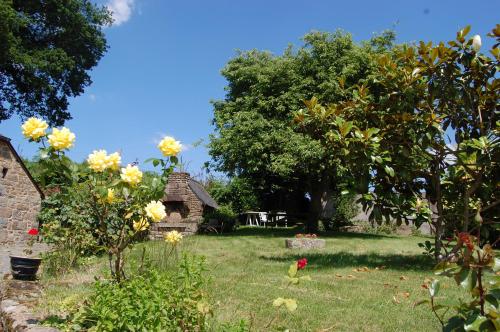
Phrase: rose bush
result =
(121, 207)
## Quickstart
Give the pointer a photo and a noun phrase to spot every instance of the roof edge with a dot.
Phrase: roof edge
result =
(21, 162)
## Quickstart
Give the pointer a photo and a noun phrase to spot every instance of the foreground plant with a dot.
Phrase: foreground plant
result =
(152, 301)
(121, 206)
(476, 270)
(292, 278)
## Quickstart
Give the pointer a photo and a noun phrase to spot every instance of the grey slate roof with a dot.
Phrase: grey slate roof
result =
(202, 194)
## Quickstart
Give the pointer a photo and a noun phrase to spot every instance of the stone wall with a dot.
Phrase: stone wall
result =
(19, 199)
(184, 209)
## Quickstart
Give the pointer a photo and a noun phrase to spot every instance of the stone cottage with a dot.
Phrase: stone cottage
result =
(186, 201)
(20, 196)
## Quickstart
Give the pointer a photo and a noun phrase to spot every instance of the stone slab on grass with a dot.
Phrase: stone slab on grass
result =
(304, 243)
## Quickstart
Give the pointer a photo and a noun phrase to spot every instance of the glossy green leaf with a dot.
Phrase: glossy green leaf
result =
(434, 288)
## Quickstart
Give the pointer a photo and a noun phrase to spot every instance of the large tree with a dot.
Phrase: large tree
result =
(254, 137)
(423, 127)
(47, 49)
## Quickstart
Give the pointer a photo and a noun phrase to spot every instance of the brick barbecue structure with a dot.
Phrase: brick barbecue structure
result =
(186, 201)
(20, 196)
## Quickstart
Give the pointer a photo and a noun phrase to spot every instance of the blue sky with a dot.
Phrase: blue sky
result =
(163, 65)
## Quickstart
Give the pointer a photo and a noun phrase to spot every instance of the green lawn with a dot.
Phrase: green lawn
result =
(247, 270)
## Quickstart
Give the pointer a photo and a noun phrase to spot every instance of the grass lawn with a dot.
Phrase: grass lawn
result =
(247, 270)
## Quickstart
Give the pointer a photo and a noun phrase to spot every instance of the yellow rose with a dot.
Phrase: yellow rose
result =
(114, 160)
(34, 128)
(61, 139)
(173, 237)
(111, 196)
(155, 210)
(131, 174)
(169, 146)
(98, 161)
(141, 225)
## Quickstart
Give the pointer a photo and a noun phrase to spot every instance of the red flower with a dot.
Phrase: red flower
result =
(33, 232)
(301, 263)
(465, 239)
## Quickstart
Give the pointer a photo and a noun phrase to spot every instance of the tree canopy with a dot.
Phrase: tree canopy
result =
(421, 134)
(254, 137)
(47, 49)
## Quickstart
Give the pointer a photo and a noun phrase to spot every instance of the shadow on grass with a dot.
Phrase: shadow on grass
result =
(345, 259)
(292, 231)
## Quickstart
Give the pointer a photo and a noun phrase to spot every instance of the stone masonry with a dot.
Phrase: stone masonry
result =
(185, 202)
(20, 197)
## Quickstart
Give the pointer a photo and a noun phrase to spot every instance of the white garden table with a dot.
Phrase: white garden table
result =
(253, 217)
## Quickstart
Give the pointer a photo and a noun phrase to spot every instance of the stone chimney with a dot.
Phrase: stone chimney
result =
(177, 187)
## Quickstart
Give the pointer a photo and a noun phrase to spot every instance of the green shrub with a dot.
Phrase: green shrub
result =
(149, 302)
(345, 211)
(68, 229)
(223, 219)
(387, 229)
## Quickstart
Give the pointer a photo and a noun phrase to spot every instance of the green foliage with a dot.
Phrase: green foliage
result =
(41, 61)
(385, 228)
(235, 193)
(254, 137)
(67, 226)
(224, 216)
(346, 209)
(149, 302)
(429, 248)
(420, 133)
(475, 271)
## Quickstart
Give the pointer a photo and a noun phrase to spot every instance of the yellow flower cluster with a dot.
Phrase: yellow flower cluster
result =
(141, 225)
(173, 237)
(61, 139)
(131, 174)
(169, 146)
(155, 210)
(290, 304)
(34, 128)
(99, 161)
(114, 161)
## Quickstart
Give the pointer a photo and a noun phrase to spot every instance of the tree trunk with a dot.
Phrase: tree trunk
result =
(318, 192)
(436, 204)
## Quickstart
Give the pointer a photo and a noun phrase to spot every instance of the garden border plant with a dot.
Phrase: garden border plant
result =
(119, 203)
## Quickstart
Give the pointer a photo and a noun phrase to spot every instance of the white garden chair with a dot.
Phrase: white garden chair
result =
(262, 218)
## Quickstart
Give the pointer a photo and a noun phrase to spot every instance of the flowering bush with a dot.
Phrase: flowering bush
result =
(307, 236)
(476, 270)
(173, 237)
(120, 205)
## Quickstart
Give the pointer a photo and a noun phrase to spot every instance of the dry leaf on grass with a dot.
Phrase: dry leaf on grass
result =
(362, 269)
